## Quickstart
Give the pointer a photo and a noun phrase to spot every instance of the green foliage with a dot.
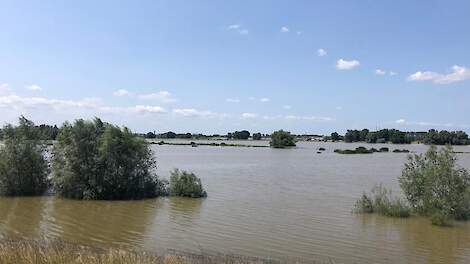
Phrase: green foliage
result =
(282, 139)
(243, 135)
(95, 160)
(358, 150)
(186, 184)
(435, 186)
(382, 202)
(444, 137)
(256, 136)
(335, 137)
(23, 167)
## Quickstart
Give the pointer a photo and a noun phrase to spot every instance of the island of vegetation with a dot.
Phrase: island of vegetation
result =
(363, 150)
(434, 186)
(91, 160)
(282, 139)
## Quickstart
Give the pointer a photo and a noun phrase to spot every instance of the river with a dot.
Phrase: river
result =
(270, 203)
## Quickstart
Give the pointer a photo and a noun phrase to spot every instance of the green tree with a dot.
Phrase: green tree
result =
(256, 136)
(282, 139)
(243, 135)
(96, 160)
(335, 136)
(435, 186)
(23, 167)
(186, 184)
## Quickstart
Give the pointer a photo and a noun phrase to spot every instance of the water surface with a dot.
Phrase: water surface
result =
(291, 203)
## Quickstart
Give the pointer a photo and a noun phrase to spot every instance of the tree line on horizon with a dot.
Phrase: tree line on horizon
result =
(431, 137)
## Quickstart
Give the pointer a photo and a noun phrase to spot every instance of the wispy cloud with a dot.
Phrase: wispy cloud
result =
(339, 108)
(321, 52)
(121, 92)
(380, 72)
(392, 73)
(238, 28)
(264, 100)
(284, 29)
(457, 74)
(17, 102)
(309, 118)
(34, 87)
(191, 112)
(287, 107)
(249, 115)
(342, 64)
(162, 96)
(232, 100)
(430, 124)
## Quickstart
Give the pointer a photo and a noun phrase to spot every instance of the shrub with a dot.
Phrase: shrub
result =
(384, 149)
(23, 167)
(186, 184)
(95, 160)
(282, 139)
(381, 201)
(435, 186)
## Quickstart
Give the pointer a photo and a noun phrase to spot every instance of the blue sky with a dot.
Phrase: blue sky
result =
(218, 66)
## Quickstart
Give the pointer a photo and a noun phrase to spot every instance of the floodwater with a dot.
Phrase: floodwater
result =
(270, 203)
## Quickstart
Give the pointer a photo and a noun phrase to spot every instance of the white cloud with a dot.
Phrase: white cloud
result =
(400, 121)
(347, 65)
(287, 107)
(149, 109)
(17, 102)
(429, 124)
(34, 87)
(234, 26)
(249, 115)
(264, 100)
(162, 96)
(121, 92)
(392, 73)
(191, 112)
(139, 109)
(309, 118)
(457, 74)
(284, 29)
(380, 72)
(321, 52)
(4, 88)
(232, 100)
(238, 28)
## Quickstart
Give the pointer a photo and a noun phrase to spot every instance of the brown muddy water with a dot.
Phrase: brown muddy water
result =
(269, 203)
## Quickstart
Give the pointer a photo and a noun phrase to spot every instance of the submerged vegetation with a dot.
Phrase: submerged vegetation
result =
(434, 186)
(91, 160)
(186, 184)
(363, 150)
(23, 167)
(96, 160)
(282, 139)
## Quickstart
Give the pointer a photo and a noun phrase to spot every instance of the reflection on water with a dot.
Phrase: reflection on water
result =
(262, 202)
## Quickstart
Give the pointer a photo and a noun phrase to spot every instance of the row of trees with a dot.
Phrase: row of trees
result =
(432, 137)
(43, 132)
(90, 160)
(239, 135)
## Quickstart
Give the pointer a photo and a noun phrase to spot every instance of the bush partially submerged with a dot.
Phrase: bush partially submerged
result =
(23, 168)
(435, 186)
(382, 202)
(95, 160)
(282, 139)
(186, 184)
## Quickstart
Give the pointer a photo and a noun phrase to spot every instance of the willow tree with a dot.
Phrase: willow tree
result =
(100, 161)
(23, 167)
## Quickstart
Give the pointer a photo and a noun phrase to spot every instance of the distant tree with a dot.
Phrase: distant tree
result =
(168, 135)
(150, 135)
(335, 136)
(256, 136)
(244, 134)
(96, 160)
(282, 139)
(23, 167)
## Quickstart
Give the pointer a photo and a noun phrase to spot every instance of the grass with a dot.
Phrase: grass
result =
(382, 202)
(58, 252)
